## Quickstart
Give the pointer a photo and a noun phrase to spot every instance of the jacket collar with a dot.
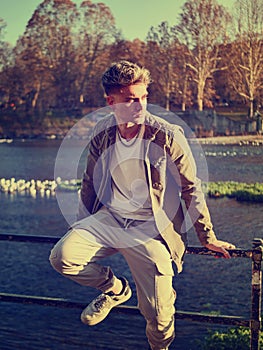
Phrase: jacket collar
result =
(151, 127)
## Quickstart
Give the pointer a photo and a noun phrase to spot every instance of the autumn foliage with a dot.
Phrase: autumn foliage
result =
(208, 57)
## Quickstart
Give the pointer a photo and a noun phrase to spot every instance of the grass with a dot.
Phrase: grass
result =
(239, 190)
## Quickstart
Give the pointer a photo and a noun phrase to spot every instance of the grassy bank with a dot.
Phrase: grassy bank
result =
(239, 190)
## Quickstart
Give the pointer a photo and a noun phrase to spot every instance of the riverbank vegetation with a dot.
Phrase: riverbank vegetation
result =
(239, 190)
(208, 58)
(233, 339)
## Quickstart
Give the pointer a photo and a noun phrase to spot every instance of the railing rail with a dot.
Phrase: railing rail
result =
(254, 323)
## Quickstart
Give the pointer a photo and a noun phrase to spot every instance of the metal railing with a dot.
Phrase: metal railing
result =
(253, 323)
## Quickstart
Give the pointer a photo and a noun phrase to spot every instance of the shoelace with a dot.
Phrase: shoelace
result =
(101, 301)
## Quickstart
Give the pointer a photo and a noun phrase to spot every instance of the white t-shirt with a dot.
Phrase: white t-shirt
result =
(130, 193)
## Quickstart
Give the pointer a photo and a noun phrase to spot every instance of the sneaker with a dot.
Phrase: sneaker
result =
(100, 307)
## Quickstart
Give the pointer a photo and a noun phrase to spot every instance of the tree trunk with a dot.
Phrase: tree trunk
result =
(200, 94)
(251, 108)
(36, 95)
(200, 104)
(184, 92)
(167, 101)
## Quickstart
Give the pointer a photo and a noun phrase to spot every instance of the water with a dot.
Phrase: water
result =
(206, 284)
(234, 163)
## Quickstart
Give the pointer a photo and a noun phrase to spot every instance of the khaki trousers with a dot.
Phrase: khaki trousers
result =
(77, 254)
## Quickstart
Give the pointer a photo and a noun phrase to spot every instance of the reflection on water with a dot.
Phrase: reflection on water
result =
(206, 284)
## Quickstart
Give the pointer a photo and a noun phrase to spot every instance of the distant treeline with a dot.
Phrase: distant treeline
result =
(207, 58)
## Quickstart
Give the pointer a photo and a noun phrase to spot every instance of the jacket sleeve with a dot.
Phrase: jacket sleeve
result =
(88, 192)
(183, 169)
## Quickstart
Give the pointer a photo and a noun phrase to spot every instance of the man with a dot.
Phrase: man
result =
(139, 168)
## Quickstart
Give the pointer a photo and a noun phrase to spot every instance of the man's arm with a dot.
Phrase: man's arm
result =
(184, 173)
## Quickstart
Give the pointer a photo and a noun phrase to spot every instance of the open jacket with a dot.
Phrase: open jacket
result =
(171, 175)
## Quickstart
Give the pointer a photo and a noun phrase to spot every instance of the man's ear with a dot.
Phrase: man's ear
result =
(110, 100)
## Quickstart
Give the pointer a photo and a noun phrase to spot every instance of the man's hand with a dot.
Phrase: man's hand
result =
(220, 247)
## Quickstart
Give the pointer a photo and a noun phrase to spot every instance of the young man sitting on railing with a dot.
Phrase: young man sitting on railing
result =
(139, 168)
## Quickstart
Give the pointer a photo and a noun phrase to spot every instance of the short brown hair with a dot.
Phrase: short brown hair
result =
(124, 73)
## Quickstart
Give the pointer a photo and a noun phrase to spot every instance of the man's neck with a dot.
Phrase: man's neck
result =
(129, 130)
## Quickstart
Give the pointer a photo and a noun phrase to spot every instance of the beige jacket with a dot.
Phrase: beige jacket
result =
(172, 181)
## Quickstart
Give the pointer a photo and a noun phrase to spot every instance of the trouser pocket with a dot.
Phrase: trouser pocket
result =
(164, 292)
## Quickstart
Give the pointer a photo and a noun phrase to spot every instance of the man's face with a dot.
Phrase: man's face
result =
(129, 103)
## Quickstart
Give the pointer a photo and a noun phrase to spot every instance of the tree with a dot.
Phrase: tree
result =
(162, 59)
(96, 31)
(61, 47)
(6, 62)
(46, 50)
(246, 53)
(203, 26)
(5, 48)
(135, 51)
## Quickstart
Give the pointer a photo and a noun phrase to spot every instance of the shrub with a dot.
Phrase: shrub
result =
(233, 339)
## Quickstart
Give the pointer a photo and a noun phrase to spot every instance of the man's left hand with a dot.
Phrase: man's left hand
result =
(221, 247)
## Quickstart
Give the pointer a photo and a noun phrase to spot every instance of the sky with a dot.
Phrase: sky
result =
(133, 17)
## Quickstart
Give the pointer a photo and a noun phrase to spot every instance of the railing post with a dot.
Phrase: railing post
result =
(256, 293)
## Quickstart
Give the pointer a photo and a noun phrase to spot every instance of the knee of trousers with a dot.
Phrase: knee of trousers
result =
(55, 260)
(62, 260)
